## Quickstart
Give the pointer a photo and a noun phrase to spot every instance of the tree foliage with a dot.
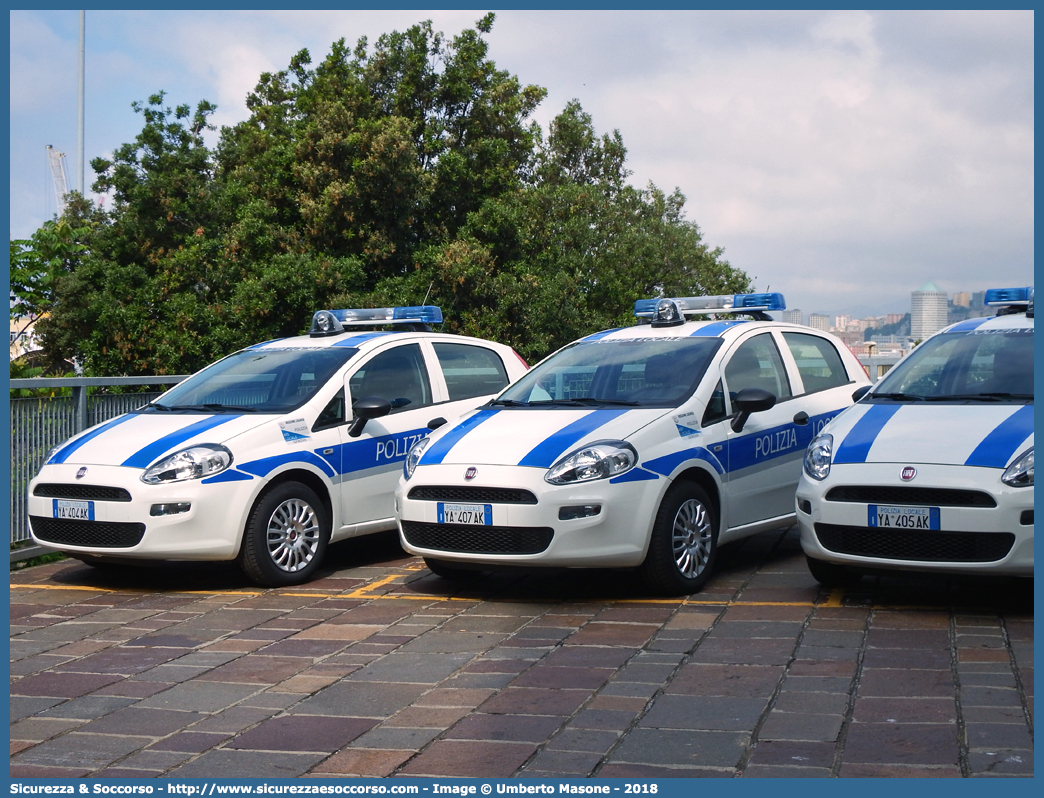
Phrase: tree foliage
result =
(382, 175)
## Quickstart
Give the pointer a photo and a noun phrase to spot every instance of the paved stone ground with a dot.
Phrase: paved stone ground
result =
(382, 669)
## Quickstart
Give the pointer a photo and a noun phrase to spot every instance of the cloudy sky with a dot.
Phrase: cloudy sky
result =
(842, 158)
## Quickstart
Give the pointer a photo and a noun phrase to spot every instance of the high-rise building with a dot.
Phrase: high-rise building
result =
(928, 312)
(962, 299)
(819, 321)
(794, 316)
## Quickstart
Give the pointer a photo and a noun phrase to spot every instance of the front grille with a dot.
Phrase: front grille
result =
(101, 534)
(478, 539)
(471, 493)
(101, 493)
(915, 546)
(908, 494)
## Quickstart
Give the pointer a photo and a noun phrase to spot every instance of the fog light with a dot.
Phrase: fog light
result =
(805, 506)
(578, 511)
(172, 508)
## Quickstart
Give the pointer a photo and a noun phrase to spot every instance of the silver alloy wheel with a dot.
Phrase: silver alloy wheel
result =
(293, 535)
(691, 539)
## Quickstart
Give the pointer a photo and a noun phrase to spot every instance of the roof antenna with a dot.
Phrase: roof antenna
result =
(425, 302)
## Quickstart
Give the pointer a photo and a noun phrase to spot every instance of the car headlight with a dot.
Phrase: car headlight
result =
(1020, 473)
(413, 457)
(599, 460)
(195, 462)
(818, 456)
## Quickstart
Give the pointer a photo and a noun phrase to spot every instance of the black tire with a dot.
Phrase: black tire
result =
(443, 569)
(286, 536)
(830, 574)
(684, 544)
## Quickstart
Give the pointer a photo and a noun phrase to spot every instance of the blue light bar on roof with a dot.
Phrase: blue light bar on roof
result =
(425, 314)
(728, 303)
(333, 322)
(1008, 296)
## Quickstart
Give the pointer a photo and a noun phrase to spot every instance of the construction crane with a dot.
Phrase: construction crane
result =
(56, 160)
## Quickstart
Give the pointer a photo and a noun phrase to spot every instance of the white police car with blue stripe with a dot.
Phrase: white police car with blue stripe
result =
(643, 446)
(256, 457)
(932, 469)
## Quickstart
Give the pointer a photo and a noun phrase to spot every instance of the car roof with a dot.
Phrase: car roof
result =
(1010, 321)
(720, 328)
(367, 339)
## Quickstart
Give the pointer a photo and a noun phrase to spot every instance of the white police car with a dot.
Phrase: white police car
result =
(933, 468)
(256, 457)
(644, 446)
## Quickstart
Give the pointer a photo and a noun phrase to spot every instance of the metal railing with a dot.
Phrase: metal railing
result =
(40, 423)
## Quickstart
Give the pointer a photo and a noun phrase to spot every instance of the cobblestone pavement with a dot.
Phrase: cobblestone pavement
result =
(381, 668)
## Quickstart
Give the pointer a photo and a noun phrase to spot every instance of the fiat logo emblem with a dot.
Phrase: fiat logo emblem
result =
(470, 473)
(908, 473)
(82, 472)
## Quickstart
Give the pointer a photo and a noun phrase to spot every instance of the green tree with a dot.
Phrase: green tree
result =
(380, 176)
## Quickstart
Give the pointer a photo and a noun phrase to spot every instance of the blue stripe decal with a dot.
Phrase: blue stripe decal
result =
(667, 464)
(361, 338)
(267, 465)
(63, 454)
(968, 324)
(437, 451)
(634, 475)
(546, 452)
(381, 451)
(145, 456)
(599, 335)
(265, 343)
(997, 448)
(856, 445)
(229, 475)
(717, 328)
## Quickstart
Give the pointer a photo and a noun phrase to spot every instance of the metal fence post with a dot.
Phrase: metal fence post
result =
(79, 393)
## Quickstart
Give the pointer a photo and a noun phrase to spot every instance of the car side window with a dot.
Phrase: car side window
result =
(332, 415)
(398, 375)
(818, 362)
(471, 370)
(756, 364)
(715, 407)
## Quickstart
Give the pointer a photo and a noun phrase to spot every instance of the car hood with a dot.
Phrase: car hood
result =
(534, 438)
(990, 436)
(137, 440)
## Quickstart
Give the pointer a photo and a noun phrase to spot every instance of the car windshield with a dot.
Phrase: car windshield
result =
(974, 366)
(633, 372)
(258, 380)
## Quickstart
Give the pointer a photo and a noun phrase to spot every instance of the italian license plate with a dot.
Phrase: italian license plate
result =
(467, 514)
(886, 517)
(77, 511)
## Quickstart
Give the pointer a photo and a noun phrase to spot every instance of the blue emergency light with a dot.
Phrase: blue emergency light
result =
(333, 322)
(670, 311)
(1008, 296)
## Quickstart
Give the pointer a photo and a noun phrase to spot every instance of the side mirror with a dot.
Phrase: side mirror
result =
(366, 408)
(750, 400)
(860, 392)
(435, 423)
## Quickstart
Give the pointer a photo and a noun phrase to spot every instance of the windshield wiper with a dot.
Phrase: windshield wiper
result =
(899, 397)
(590, 400)
(509, 403)
(156, 406)
(215, 408)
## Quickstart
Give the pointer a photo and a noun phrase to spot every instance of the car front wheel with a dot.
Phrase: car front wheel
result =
(286, 536)
(684, 542)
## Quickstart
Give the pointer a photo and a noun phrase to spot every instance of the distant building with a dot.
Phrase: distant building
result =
(962, 299)
(928, 311)
(794, 316)
(819, 321)
(23, 337)
(894, 318)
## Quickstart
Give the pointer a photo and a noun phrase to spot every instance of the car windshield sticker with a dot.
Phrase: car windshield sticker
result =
(687, 424)
(295, 430)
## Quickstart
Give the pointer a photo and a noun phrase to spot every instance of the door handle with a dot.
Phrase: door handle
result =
(801, 419)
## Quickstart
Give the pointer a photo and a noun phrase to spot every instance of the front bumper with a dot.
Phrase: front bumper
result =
(210, 529)
(970, 538)
(528, 533)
